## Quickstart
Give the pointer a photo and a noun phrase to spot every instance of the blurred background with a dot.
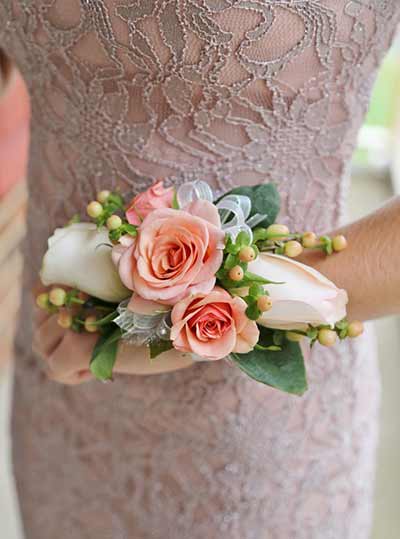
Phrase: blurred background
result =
(375, 178)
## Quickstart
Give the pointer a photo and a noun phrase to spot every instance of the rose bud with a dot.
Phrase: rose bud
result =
(64, 319)
(339, 243)
(42, 301)
(90, 324)
(247, 254)
(293, 248)
(102, 196)
(57, 296)
(264, 303)
(114, 222)
(78, 256)
(305, 297)
(236, 273)
(278, 231)
(309, 240)
(293, 336)
(327, 337)
(355, 329)
(94, 209)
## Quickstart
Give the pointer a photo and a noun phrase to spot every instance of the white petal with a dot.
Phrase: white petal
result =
(305, 297)
(79, 256)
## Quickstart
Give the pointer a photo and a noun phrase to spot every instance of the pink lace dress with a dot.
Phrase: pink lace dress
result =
(231, 92)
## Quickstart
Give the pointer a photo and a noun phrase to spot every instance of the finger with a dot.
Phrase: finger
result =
(40, 316)
(77, 378)
(48, 336)
(71, 359)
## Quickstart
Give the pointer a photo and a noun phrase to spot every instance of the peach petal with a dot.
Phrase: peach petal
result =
(126, 267)
(206, 210)
(214, 349)
(247, 339)
(139, 305)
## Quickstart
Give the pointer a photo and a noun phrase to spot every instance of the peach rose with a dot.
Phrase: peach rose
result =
(155, 198)
(176, 253)
(213, 326)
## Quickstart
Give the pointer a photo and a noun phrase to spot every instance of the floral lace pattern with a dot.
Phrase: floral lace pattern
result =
(232, 92)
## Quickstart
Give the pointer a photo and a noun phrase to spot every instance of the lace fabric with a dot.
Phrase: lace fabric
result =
(231, 92)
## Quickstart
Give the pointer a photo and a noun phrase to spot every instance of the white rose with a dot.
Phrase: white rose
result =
(79, 256)
(306, 297)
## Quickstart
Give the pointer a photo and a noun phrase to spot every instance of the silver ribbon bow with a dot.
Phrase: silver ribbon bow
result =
(141, 329)
(234, 209)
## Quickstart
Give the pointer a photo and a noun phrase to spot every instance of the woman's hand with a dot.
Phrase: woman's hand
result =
(67, 354)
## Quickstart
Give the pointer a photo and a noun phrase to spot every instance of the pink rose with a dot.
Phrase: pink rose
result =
(155, 198)
(213, 326)
(176, 253)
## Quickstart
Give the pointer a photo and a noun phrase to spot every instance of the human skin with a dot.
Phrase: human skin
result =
(369, 269)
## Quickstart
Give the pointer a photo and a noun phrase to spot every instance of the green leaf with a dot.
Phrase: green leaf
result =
(130, 229)
(256, 290)
(116, 200)
(265, 200)
(243, 239)
(254, 278)
(158, 347)
(105, 354)
(175, 204)
(282, 369)
(231, 261)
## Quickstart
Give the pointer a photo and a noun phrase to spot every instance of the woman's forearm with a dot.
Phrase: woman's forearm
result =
(369, 269)
(136, 360)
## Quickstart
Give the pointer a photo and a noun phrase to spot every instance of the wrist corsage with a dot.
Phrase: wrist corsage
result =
(213, 278)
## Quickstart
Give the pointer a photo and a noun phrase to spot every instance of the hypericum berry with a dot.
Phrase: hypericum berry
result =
(247, 254)
(355, 329)
(293, 336)
(278, 230)
(94, 209)
(236, 274)
(293, 248)
(42, 301)
(264, 303)
(64, 319)
(309, 240)
(57, 296)
(327, 337)
(90, 324)
(339, 243)
(114, 222)
(103, 195)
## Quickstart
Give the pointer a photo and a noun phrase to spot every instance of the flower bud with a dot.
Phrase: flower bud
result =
(42, 301)
(264, 303)
(309, 240)
(94, 209)
(327, 337)
(278, 231)
(57, 296)
(90, 324)
(114, 222)
(339, 243)
(247, 254)
(355, 329)
(102, 196)
(64, 319)
(236, 274)
(293, 336)
(293, 248)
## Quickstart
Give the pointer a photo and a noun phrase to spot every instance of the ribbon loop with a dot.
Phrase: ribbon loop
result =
(141, 329)
(192, 191)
